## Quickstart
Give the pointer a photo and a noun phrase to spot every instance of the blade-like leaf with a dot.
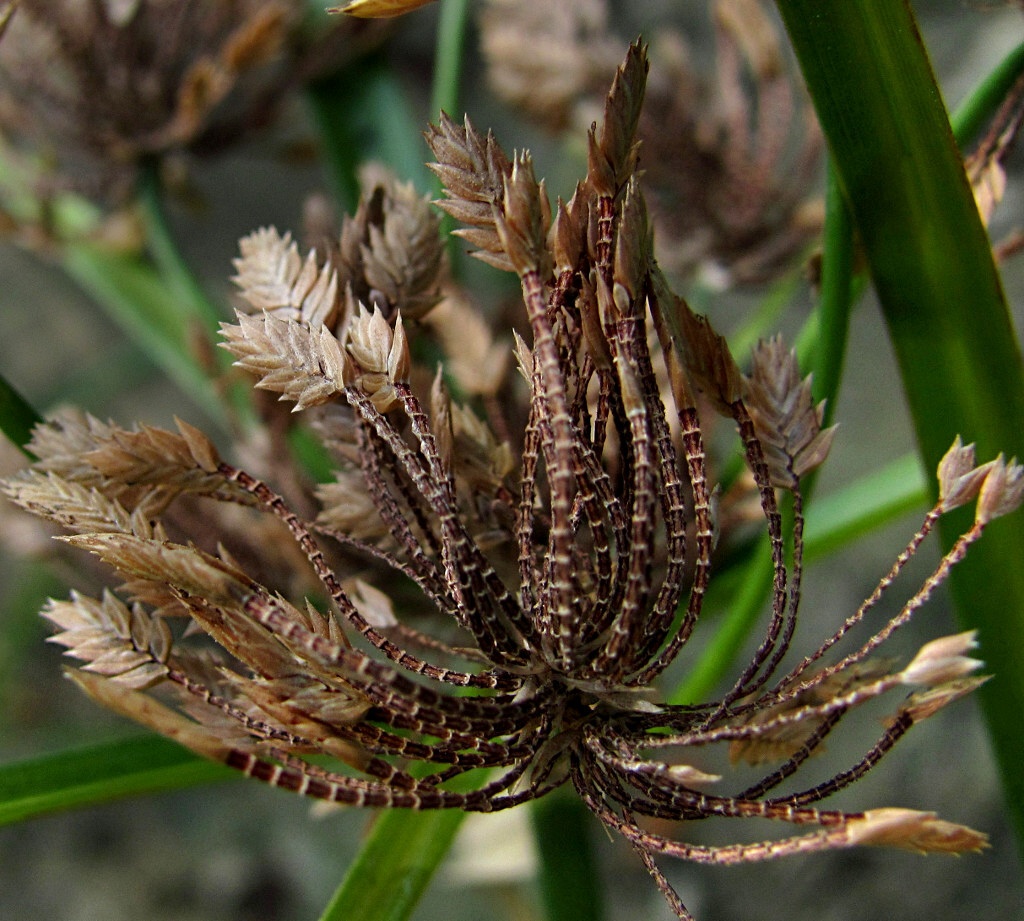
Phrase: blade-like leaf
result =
(389, 876)
(940, 292)
(86, 776)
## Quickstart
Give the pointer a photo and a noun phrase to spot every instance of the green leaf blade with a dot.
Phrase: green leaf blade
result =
(940, 292)
(97, 774)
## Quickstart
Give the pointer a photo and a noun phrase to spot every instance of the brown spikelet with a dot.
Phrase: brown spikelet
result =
(272, 277)
(473, 171)
(301, 363)
(784, 415)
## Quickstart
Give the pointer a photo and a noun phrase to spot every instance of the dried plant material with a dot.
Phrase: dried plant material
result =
(153, 455)
(985, 165)
(383, 9)
(101, 88)
(913, 831)
(784, 415)
(473, 171)
(543, 58)
(390, 252)
(476, 360)
(63, 443)
(346, 507)
(121, 643)
(143, 470)
(482, 463)
(1002, 491)
(373, 605)
(273, 277)
(545, 545)
(731, 161)
(73, 506)
(380, 357)
(924, 704)
(959, 478)
(943, 660)
(613, 151)
(773, 734)
(704, 353)
(303, 364)
(523, 220)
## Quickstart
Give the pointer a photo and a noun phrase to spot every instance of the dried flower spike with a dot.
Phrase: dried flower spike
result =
(558, 551)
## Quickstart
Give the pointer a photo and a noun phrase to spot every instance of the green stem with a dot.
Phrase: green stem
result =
(86, 776)
(570, 881)
(391, 872)
(971, 115)
(168, 258)
(451, 38)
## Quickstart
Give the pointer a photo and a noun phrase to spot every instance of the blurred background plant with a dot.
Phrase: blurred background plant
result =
(122, 229)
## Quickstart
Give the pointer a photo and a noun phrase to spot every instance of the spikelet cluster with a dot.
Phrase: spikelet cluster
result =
(534, 525)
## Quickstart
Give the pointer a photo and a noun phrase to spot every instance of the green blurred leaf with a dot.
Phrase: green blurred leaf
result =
(136, 297)
(362, 114)
(87, 776)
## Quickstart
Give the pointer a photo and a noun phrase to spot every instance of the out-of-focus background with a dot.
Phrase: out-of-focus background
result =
(241, 852)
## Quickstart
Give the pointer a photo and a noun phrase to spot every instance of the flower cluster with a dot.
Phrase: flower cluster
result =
(519, 574)
(729, 164)
(97, 89)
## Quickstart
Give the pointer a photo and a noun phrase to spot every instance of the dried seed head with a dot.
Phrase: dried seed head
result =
(633, 244)
(349, 508)
(473, 356)
(272, 277)
(705, 354)
(301, 363)
(479, 459)
(373, 605)
(917, 831)
(927, 703)
(959, 479)
(473, 170)
(569, 232)
(100, 91)
(942, 660)
(1002, 491)
(523, 219)
(613, 152)
(544, 58)
(379, 357)
(121, 643)
(784, 415)
(390, 252)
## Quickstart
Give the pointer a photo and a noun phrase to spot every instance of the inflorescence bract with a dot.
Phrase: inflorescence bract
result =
(561, 546)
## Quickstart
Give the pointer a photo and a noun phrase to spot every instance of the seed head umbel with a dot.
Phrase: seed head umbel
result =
(518, 539)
